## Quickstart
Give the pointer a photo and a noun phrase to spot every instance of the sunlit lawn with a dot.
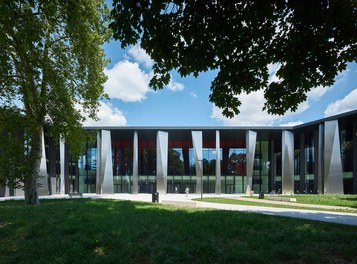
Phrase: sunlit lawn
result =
(349, 201)
(333, 200)
(107, 231)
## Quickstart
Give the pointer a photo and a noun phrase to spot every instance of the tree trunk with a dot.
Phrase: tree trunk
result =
(30, 188)
(34, 161)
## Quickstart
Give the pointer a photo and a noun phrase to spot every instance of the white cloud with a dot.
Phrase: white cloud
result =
(272, 69)
(193, 94)
(108, 116)
(293, 123)
(318, 92)
(140, 56)
(342, 77)
(18, 103)
(251, 113)
(175, 86)
(348, 103)
(127, 82)
(313, 95)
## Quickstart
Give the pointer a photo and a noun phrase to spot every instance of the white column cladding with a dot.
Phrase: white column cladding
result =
(251, 140)
(99, 163)
(43, 176)
(287, 162)
(197, 150)
(333, 181)
(19, 192)
(162, 140)
(218, 188)
(320, 161)
(62, 159)
(135, 189)
(106, 166)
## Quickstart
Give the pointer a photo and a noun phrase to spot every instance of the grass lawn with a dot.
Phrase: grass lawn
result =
(257, 203)
(109, 231)
(334, 200)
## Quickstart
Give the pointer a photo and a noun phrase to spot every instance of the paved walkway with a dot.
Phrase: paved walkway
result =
(183, 200)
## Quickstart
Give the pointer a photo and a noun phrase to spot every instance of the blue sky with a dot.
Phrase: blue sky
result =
(185, 101)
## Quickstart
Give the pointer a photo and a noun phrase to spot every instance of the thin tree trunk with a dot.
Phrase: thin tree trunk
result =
(31, 180)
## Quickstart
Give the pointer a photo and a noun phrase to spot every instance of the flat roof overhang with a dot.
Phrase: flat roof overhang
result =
(180, 132)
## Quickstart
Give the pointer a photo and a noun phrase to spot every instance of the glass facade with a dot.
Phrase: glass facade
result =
(261, 167)
(87, 168)
(209, 169)
(52, 163)
(309, 163)
(277, 173)
(181, 171)
(73, 180)
(235, 181)
(122, 168)
(347, 157)
(297, 170)
(147, 169)
(177, 181)
(309, 160)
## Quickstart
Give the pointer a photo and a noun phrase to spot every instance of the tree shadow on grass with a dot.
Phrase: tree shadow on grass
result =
(110, 231)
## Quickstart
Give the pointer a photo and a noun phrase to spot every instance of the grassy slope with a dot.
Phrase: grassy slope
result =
(105, 231)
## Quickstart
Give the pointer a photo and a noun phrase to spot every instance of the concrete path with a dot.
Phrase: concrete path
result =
(186, 201)
(333, 217)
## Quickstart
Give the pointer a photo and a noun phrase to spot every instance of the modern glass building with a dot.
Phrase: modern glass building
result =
(317, 157)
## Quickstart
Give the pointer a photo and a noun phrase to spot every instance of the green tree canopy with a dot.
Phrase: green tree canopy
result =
(310, 40)
(51, 65)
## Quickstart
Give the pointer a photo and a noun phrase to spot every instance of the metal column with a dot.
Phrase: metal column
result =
(161, 161)
(43, 180)
(272, 166)
(104, 179)
(251, 140)
(135, 189)
(333, 182)
(320, 161)
(62, 163)
(302, 157)
(354, 155)
(107, 164)
(287, 161)
(98, 180)
(218, 188)
(197, 150)
(316, 164)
